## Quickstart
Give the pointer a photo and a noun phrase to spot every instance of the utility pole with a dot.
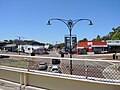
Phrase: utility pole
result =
(19, 43)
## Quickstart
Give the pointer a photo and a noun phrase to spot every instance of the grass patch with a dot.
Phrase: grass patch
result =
(14, 63)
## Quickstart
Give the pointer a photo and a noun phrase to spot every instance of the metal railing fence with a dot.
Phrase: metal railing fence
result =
(92, 69)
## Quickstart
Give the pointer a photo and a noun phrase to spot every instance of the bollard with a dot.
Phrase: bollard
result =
(113, 56)
(116, 57)
(62, 54)
(32, 54)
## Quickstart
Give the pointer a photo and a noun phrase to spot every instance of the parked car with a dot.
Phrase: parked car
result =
(46, 52)
(4, 56)
(56, 69)
(55, 61)
(62, 51)
(42, 66)
(39, 53)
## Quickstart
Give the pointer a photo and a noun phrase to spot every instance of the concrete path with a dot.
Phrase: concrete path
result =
(7, 85)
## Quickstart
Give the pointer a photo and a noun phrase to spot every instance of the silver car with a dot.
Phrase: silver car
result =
(42, 66)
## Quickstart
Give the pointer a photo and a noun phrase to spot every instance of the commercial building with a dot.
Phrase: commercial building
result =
(32, 48)
(7, 47)
(92, 47)
(29, 48)
(2, 44)
(10, 47)
(113, 46)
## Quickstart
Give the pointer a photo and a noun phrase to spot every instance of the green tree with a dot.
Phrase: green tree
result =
(116, 33)
(11, 41)
(60, 46)
(83, 40)
(107, 37)
(110, 35)
(116, 29)
(98, 38)
(50, 46)
(6, 41)
(22, 48)
(116, 36)
(33, 42)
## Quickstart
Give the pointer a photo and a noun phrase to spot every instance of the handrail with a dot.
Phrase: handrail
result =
(63, 76)
(81, 59)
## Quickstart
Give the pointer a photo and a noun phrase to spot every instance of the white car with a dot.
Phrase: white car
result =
(55, 69)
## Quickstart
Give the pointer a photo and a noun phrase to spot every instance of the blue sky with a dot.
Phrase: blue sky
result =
(28, 18)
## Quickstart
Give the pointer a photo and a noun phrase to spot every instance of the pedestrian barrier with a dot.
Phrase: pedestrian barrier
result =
(86, 73)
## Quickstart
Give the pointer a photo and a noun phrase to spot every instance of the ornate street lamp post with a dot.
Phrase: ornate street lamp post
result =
(70, 24)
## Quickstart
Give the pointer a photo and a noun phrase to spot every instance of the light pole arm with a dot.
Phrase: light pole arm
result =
(63, 20)
(76, 21)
